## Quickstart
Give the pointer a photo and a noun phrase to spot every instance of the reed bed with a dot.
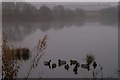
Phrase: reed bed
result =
(11, 57)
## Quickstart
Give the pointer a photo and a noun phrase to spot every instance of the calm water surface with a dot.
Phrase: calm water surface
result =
(67, 40)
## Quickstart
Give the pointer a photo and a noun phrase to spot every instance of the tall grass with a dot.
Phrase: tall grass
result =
(10, 63)
(11, 57)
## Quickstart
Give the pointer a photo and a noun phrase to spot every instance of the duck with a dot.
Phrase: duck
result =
(75, 70)
(73, 62)
(60, 62)
(86, 66)
(54, 65)
(77, 65)
(66, 67)
(47, 63)
(94, 64)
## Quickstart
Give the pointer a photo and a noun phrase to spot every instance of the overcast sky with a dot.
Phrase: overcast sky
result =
(73, 5)
(89, 4)
(63, 0)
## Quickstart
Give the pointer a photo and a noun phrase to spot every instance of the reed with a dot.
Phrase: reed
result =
(40, 50)
(10, 63)
(90, 58)
(11, 57)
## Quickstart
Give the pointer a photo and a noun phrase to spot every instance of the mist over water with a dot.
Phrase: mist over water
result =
(70, 36)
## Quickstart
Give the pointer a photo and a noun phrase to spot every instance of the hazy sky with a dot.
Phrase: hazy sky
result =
(73, 5)
(63, 0)
(50, 3)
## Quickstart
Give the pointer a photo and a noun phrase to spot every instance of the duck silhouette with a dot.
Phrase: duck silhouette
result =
(77, 65)
(94, 64)
(47, 63)
(60, 62)
(54, 65)
(75, 69)
(66, 67)
(86, 66)
(73, 62)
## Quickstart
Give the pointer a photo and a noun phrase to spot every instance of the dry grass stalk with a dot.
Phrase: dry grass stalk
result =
(89, 58)
(10, 59)
(39, 52)
(10, 64)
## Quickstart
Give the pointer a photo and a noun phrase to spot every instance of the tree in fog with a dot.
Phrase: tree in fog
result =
(109, 15)
(28, 11)
(22, 11)
(68, 14)
(58, 12)
(79, 14)
(7, 9)
(18, 11)
(45, 13)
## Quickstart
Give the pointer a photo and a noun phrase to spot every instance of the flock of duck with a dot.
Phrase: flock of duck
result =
(72, 62)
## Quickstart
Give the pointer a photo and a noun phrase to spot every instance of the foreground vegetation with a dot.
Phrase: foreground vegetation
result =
(11, 57)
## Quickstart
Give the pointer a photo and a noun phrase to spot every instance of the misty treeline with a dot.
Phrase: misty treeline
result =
(109, 15)
(23, 11)
(26, 11)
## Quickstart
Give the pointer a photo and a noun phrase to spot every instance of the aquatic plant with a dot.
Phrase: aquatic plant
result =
(98, 72)
(90, 58)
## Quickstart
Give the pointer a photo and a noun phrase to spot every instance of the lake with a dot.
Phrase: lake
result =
(67, 40)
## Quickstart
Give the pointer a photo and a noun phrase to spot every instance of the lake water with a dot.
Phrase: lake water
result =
(66, 41)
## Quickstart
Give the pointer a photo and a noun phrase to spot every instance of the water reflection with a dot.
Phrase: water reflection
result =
(18, 31)
(22, 53)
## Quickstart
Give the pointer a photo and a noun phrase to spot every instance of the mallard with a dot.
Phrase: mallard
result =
(94, 64)
(66, 67)
(77, 65)
(86, 66)
(73, 62)
(54, 65)
(60, 62)
(47, 63)
(75, 70)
